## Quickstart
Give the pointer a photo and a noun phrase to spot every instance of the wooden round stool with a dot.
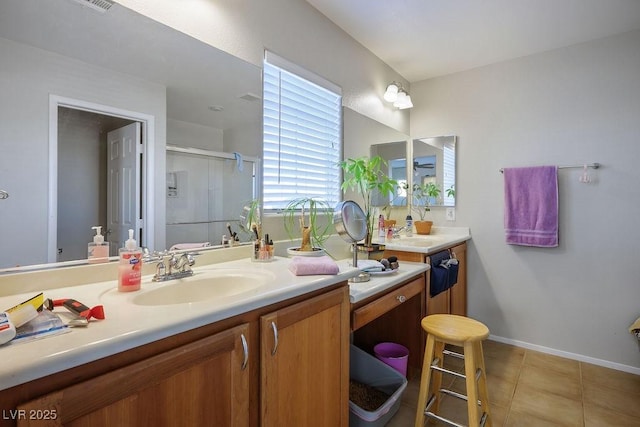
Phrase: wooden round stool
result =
(466, 333)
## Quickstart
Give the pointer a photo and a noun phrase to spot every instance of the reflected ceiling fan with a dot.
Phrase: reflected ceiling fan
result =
(417, 165)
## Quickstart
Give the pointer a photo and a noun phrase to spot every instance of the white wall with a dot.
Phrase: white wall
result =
(567, 106)
(246, 140)
(191, 135)
(294, 30)
(27, 77)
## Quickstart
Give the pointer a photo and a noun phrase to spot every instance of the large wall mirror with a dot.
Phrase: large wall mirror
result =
(85, 74)
(434, 162)
(395, 155)
(365, 136)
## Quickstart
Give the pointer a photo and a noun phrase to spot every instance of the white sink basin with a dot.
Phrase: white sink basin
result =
(203, 286)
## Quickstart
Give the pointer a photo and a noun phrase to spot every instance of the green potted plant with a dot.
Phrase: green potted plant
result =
(366, 175)
(314, 232)
(451, 191)
(251, 218)
(423, 194)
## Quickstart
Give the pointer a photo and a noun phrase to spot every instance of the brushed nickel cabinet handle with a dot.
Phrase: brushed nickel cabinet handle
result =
(245, 349)
(275, 338)
(401, 298)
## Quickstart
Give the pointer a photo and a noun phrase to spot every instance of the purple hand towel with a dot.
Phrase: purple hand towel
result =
(531, 206)
(308, 266)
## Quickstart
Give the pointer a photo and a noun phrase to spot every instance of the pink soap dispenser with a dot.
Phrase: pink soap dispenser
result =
(98, 250)
(130, 266)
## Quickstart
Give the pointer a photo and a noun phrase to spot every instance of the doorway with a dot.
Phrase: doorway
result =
(83, 179)
(79, 176)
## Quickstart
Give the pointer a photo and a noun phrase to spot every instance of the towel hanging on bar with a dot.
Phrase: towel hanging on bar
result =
(531, 206)
(443, 272)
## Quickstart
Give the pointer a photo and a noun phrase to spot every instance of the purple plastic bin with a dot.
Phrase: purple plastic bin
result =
(394, 355)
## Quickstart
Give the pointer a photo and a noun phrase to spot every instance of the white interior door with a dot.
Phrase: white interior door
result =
(123, 191)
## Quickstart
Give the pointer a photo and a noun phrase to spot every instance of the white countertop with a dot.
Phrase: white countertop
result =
(382, 281)
(440, 238)
(127, 325)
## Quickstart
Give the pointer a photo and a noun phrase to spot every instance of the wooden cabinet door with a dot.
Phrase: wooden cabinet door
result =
(304, 352)
(458, 293)
(205, 383)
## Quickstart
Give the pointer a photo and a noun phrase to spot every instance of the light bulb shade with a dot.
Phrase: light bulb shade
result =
(391, 94)
(406, 103)
(401, 99)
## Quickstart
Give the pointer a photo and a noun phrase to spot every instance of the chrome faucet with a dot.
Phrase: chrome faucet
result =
(397, 230)
(172, 266)
(182, 263)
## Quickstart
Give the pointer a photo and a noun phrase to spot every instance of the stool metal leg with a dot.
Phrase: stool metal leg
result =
(425, 380)
(436, 382)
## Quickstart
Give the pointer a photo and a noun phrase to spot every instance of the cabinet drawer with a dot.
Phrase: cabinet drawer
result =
(385, 303)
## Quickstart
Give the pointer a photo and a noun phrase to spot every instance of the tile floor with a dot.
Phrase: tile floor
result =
(529, 388)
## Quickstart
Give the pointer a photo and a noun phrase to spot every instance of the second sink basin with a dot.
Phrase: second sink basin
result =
(203, 286)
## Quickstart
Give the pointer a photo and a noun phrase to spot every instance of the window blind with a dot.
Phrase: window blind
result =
(301, 138)
(448, 180)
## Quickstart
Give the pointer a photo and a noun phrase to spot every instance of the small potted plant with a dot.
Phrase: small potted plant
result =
(314, 232)
(400, 192)
(366, 175)
(388, 222)
(423, 195)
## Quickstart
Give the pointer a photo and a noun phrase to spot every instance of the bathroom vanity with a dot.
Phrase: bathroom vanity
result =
(270, 357)
(393, 313)
(274, 354)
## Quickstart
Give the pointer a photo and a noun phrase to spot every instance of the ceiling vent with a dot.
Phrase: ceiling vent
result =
(250, 97)
(99, 5)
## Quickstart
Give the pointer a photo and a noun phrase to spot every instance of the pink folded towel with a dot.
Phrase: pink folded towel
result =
(531, 206)
(308, 266)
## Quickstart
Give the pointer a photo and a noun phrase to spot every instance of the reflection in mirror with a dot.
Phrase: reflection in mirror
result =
(434, 161)
(195, 96)
(395, 155)
(203, 188)
(362, 131)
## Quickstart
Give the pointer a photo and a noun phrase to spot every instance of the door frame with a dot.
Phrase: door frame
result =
(147, 217)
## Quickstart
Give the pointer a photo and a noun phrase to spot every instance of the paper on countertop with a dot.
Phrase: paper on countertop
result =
(47, 323)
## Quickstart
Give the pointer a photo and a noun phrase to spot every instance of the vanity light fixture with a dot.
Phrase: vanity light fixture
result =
(398, 95)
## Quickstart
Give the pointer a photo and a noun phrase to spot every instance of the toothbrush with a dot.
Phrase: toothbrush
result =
(231, 233)
(255, 230)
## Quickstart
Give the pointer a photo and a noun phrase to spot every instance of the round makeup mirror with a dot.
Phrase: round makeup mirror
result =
(351, 224)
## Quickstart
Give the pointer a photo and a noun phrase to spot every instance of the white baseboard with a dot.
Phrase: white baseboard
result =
(567, 355)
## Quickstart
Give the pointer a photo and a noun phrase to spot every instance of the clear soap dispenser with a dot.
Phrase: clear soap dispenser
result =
(130, 266)
(98, 250)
